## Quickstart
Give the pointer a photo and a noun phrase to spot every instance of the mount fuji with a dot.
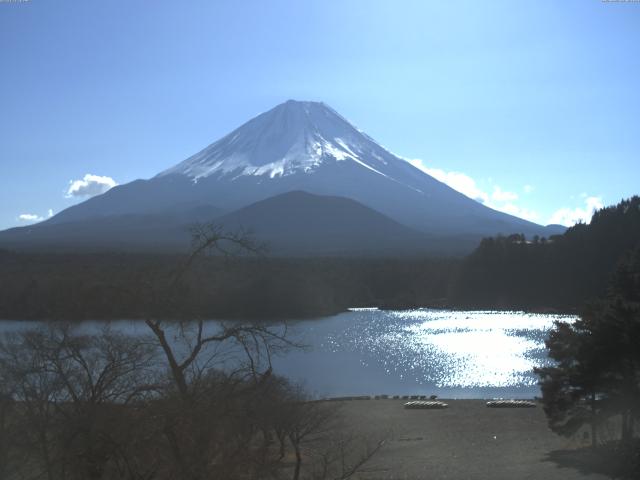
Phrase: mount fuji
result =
(294, 147)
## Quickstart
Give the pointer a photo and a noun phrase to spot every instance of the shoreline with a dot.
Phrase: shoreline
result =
(316, 316)
(349, 398)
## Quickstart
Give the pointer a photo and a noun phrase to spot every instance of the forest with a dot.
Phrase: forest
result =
(506, 272)
(561, 273)
(103, 286)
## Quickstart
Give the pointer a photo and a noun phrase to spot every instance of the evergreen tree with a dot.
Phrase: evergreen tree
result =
(597, 370)
(562, 272)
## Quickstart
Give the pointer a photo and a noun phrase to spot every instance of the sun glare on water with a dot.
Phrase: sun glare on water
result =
(453, 349)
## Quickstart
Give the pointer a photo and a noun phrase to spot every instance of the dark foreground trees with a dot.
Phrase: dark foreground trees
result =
(596, 378)
(187, 399)
(108, 406)
(70, 402)
(80, 286)
(562, 272)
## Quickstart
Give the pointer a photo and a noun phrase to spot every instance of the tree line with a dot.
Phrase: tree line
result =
(562, 272)
(595, 378)
(119, 285)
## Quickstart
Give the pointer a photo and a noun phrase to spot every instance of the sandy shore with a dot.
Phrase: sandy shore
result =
(465, 441)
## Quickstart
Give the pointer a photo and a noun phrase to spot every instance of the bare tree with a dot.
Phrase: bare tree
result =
(308, 419)
(196, 347)
(192, 400)
(6, 434)
(72, 391)
(240, 352)
(228, 406)
(317, 433)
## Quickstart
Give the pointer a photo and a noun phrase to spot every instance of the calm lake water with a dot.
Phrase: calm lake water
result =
(453, 354)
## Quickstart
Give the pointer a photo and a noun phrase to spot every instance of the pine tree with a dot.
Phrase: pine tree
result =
(596, 374)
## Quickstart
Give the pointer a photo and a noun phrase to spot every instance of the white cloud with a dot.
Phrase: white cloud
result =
(500, 195)
(571, 216)
(501, 200)
(32, 217)
(89, 186)
(527, 188)
(517, 211)
(456, 180)
(29, 217)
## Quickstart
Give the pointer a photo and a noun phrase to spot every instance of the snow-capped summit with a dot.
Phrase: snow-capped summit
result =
(294, 137)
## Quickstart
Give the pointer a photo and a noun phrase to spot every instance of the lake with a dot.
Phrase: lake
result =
(452, 354)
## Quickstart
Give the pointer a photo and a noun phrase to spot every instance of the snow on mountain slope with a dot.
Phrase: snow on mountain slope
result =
(295, 137)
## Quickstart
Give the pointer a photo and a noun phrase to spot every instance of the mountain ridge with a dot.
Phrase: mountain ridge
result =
(304, 146)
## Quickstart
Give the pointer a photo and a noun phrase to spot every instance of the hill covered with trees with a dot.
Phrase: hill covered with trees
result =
(561, 272)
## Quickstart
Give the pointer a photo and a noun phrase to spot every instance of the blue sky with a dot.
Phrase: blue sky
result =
(531, 107)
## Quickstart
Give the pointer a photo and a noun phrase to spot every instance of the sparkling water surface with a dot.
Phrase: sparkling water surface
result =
(460, 354)
(454, 354)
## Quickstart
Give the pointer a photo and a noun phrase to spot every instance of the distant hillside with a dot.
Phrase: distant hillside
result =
(561, 272)
(151, 232)
(299, 223)
(291, 224)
